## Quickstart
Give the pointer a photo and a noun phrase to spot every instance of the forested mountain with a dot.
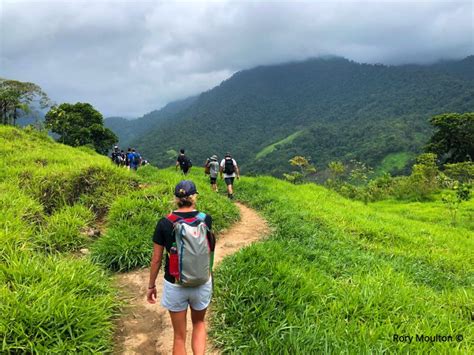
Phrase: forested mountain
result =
(326, 109)
(128, 130)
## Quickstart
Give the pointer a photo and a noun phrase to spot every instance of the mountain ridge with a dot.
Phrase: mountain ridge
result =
(345, 110)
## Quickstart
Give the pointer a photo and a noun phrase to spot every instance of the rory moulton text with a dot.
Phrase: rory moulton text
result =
(403, 338)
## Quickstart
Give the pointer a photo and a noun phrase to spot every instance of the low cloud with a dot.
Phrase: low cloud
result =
(130, 57)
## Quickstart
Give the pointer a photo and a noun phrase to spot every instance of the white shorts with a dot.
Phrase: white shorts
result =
(176, 298)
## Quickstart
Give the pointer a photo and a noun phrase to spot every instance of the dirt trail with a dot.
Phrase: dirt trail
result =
(145, 328)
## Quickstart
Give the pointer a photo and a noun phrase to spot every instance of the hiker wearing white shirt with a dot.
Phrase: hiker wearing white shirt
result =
(229, 170)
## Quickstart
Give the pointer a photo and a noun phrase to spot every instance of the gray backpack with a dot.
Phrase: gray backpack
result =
(195, 245)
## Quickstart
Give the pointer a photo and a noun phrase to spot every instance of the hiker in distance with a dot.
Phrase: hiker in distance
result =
(189, 243)
(135, 160)
(230, 170)
(183, 162)
(116, 156)
(212, 169)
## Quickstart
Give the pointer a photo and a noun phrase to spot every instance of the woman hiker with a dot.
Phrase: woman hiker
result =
(187, 280)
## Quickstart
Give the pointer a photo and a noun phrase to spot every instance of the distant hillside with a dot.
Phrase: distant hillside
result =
(129, 130)
(323, 108)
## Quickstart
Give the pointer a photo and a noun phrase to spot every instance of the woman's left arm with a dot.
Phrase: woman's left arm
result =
(154, 268)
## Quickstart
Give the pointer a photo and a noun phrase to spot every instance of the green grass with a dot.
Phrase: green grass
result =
(272, 147)
(54, 304)
(337, 276)
(433, 212)
(394, 161)
(52, 300)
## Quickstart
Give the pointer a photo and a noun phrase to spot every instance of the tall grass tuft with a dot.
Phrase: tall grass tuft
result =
(54, 304)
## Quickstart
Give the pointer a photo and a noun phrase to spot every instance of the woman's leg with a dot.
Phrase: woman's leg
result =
(199, 331)
(178, 319)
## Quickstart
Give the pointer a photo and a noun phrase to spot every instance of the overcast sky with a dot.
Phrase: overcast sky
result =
(129, 57)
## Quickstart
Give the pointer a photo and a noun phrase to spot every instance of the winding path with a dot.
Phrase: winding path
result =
(145, 328)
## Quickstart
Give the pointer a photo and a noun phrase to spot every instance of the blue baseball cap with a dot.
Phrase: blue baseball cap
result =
(185, 188)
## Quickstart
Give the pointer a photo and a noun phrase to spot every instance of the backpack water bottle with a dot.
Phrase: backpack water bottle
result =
(173, 261)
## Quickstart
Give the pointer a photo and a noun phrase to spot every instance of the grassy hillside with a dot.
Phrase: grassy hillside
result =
(344, 110)
(53, 298)
(272, 147)
(337, 276)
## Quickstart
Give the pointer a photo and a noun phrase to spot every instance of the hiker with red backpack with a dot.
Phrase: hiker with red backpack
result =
(186, 237)
(229, 170)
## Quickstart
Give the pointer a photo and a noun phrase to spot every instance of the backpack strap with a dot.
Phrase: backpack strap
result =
(173, 218)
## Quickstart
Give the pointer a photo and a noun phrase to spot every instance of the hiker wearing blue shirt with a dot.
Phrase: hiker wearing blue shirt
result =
(135, 160)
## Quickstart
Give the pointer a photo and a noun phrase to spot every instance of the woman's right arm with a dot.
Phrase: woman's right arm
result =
(154, 269)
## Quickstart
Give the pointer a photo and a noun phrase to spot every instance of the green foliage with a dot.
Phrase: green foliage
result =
(453, 199)
(16, 98)
(359, 173)
(423, 177)
(395, 163)
(64, 230)
(453, 140)
(54, 304)
(344, 110)
(272, 147)
(463, 172)
(131, 222)
(80, 124)
(340, 277)
(433, 212)
(130, 130)
(305, 169)
(51, 302)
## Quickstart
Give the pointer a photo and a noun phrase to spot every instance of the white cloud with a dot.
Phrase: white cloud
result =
(130, 57)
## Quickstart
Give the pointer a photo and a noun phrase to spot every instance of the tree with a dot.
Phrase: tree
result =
(423, 177)
(462, 172)
(453, 140)
(304, 166)
(80, 124)
(16, 98)
(453, 199)
(336, 171)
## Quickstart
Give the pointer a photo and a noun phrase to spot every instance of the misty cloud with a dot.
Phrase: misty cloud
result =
(130, 57)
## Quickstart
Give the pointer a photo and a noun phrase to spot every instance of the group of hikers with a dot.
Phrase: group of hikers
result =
(227, 168)
(130, 159)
